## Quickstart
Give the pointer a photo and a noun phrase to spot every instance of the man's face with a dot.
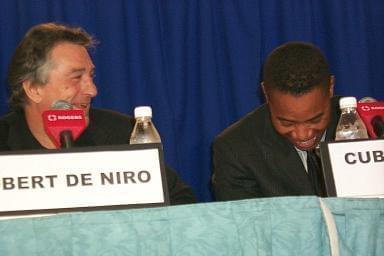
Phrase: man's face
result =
(70, 78)
(301, 119)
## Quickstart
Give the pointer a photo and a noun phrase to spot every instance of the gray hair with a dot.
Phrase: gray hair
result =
(31, 60)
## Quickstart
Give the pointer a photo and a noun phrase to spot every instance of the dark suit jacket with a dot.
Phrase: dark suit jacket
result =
(105, 128)
(251, 159)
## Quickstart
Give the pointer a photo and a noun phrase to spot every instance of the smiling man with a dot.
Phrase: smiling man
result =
(50, 64)
(270, 152)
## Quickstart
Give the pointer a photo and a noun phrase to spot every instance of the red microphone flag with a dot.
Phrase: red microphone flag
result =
(369, 110)
(58, 120)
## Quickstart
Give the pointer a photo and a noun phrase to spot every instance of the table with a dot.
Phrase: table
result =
(268, 226)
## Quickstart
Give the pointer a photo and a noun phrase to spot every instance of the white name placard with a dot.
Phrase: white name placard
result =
(103, 176)
(354, 168)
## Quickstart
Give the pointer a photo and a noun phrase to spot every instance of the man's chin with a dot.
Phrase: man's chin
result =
(86, 119)
(305, 148)
(306, 145)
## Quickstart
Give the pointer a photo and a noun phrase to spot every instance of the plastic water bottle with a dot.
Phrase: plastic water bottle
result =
(350, 125)
(144, 130)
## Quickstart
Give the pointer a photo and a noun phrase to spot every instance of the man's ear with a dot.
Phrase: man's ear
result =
(265, 92)
(32, 91)
(331, 85)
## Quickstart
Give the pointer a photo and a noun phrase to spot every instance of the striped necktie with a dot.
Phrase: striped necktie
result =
(315, 173)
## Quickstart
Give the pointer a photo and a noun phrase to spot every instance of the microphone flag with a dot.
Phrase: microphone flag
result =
(58, 121)
(370, 113)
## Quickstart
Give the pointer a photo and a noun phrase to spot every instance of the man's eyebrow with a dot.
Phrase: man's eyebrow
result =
(285, 119)
(294, 121)
(76, 70)
(316, 117)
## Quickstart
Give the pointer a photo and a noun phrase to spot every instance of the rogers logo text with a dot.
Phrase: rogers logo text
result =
(369, 108)
(71, 117)
(54, 118)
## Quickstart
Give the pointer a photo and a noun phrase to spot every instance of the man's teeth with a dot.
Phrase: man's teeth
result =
(307, 142)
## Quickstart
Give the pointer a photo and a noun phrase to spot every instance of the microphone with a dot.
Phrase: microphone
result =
(372, 113)
(378, 126)
(63, 124)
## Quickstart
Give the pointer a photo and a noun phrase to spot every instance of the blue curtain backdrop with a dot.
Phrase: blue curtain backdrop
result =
(198, 62)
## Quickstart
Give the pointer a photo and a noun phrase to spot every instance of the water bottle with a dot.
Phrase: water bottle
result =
(144, 130)
(350, 125)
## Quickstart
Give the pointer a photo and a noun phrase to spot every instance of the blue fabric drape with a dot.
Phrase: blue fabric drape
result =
(198, 63)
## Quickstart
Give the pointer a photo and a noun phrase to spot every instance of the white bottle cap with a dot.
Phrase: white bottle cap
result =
(143, 111)
(348, 102)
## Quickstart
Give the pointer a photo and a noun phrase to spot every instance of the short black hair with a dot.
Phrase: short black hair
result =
(295, 68)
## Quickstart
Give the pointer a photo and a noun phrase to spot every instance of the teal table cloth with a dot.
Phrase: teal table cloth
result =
(263, 227)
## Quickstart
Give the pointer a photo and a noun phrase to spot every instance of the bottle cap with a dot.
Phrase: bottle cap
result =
(348, 102)
(143, 111)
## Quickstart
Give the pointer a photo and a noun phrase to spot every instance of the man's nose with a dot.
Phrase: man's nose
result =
(302, 132)
(89, 87)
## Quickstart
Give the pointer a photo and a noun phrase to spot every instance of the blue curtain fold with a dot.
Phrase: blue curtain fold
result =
(198, 62)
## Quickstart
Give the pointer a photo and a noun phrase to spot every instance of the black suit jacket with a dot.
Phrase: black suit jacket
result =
(106, 127)
(251, 159)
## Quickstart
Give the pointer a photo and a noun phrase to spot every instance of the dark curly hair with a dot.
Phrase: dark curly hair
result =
(295, 68)
(31, 59)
